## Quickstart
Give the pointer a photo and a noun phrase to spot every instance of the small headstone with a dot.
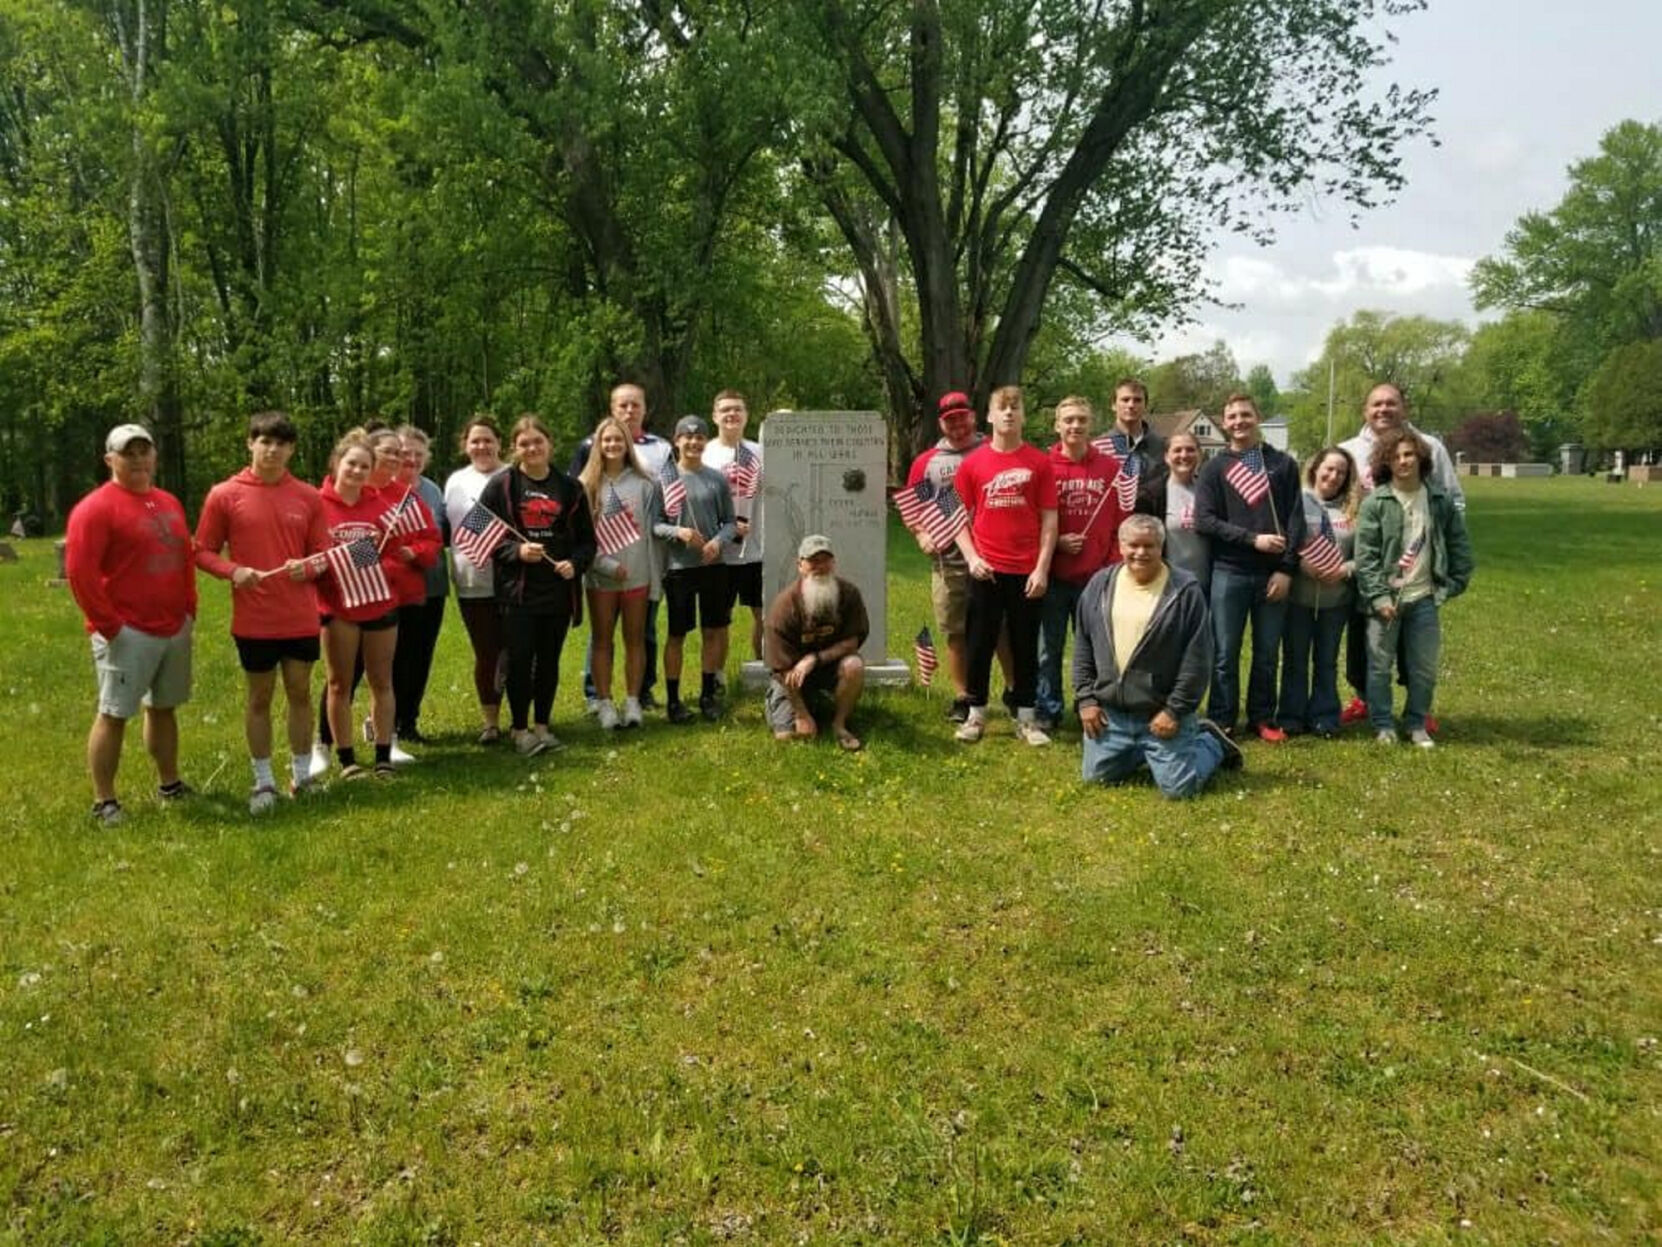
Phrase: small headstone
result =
(825, 472)
(62, 578)
(7, 554)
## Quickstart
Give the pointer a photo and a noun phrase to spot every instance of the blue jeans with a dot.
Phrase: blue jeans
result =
(1055, 614)
(1310, 701)
(1180, 766)
(1238, 599)
(1421, 637)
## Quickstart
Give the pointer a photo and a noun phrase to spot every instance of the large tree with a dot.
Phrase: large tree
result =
(999, 149)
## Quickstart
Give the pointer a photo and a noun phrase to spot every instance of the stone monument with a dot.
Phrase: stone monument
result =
(826, 472)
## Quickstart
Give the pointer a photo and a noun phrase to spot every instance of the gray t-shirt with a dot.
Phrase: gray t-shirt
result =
(1185, 547)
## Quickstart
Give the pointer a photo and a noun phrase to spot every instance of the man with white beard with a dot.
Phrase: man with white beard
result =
(815, 628)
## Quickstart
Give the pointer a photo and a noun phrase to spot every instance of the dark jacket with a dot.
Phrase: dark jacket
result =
(1172, 664)
(1379, 546)
(1224, 516)
(562, 525)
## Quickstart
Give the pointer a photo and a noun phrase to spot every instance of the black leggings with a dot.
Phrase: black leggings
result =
(533, 643)
(993, 604)
(412, 661)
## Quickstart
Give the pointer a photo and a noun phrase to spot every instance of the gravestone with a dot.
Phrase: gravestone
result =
(62, 578)
(825, 472)
(7, 554)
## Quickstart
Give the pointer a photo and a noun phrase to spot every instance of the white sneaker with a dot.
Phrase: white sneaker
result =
(631, 712)
(401, 757)
(263, 800)
(607, 714)
(1385, 736)
(591, 706)
(550, 742)
(973, 726)
(321, 760)
(1422, 738)
(1028, 729)
(529, 744)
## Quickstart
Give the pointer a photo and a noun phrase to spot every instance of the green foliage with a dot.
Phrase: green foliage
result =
(687, 984)
(1260, 383)
(1623, 398)
(1201, 381)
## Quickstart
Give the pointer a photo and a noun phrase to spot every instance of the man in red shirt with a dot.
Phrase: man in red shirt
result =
(1089, 511)
(1009, 488)
(128, 556)
(271, 523)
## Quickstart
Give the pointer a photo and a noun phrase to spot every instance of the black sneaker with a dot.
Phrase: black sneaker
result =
(710, 708)
(958, 711)
(178, 790)
(1232, 756)
(678, 713)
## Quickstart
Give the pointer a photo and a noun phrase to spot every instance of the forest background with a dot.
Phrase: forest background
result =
(348, 209)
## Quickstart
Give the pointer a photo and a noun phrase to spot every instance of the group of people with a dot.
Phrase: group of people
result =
(1162, 563)
(1157, 562)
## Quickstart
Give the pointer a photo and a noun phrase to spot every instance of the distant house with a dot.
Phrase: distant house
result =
(1207, 432)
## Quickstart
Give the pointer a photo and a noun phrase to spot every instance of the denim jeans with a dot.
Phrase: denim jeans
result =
(1055, 615)
(1238, 599)
(1180, 766)
(1310, 699)
(1420, 633)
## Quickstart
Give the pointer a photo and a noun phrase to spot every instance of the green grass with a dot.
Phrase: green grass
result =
(694, 987)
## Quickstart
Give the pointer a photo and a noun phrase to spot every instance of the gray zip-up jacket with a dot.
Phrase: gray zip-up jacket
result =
(1172, 664)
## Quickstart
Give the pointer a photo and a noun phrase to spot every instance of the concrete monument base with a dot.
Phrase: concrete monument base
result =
(887, 674)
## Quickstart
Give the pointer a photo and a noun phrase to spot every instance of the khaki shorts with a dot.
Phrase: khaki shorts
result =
(135, 668)
(949, 594)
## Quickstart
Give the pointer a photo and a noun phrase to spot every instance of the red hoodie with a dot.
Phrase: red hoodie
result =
(265, 526)
(128, 556)
(1085, 496)
(348, 522)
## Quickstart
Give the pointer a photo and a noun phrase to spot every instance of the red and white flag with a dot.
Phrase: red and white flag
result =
(616, 529)
(1248, 477)
(357, 568)
(478, 535)
(407, 518)
(936, 511)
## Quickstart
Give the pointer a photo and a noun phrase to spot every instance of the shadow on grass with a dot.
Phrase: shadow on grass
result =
(1542, 731)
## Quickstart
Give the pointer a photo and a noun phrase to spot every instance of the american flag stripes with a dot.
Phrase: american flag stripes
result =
(1115, 443)
(675, 493)
(357, 568)
(406, 518)
(478, 535)
(937, 511)
(1321, 551)
(1125, 481)
(1248, 478)
(923, 649)
(1411, 556)
(744, 473)
(616, 528)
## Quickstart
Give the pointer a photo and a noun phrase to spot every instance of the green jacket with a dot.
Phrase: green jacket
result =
(1379, 546)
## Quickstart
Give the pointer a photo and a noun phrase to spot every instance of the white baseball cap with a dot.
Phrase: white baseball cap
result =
(124, 435)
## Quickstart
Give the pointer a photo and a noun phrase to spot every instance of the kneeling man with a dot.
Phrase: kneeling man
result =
(1141, 663)
(815, 628)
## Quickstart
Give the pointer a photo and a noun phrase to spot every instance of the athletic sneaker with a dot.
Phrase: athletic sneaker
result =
(385, 770)
(710, 708)
(631, 713)
(1232, 755)
(529, 744)
(322, 760)
(263, 800)
(299, 791)
(1422, 738)
(959, 710)
(649, 700)
(1269, 733)
(178, 790)
(1354, 712)
(973, 726)
(1385, 736)
(678, 713)
(354, 771)
(489, 735)
(550, 742)
(401, 757)
(1029, 731)
(108, 813)
(591, 706)
(607, 714)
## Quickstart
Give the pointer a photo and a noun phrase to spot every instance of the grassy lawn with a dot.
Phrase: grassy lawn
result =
(690, 986)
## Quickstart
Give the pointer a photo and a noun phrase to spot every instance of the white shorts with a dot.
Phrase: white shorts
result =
(135, 668)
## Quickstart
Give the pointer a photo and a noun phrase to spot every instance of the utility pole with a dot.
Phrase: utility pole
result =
(1331, 365)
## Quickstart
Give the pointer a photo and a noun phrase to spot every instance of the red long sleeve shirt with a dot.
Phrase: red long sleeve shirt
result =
(128, 556)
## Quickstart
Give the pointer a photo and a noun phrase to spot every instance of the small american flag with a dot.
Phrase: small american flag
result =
(1321, 551)
(938, 511)
(1125, 481)
(1248, 477)
(675, 493)
(357, 566)
(744, 473)
(923, 649)
(478, 535)
(1115, 443)
(1411, 556)
(616, 529)
(407, 518)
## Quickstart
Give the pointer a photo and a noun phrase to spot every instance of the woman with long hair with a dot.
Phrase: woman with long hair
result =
(1322, 596)
(475, 586)
(620, 500)
(1169, 497)
(538, 575)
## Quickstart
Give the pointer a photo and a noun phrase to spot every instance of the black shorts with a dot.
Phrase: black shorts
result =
(389, 620)
(697, 597)
(261, 654)
(744, 586)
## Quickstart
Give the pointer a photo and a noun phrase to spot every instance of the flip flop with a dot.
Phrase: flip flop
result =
(848, 742)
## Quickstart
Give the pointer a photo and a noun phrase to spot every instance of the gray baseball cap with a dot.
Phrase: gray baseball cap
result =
(123, 435)
(813, 544)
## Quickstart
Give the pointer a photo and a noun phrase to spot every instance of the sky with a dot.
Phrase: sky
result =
(1526, 88)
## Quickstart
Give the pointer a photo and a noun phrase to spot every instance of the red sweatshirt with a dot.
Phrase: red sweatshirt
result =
(265, 526)
(348, 523)
(409, 580)
(1085, 495)
(129, 561)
